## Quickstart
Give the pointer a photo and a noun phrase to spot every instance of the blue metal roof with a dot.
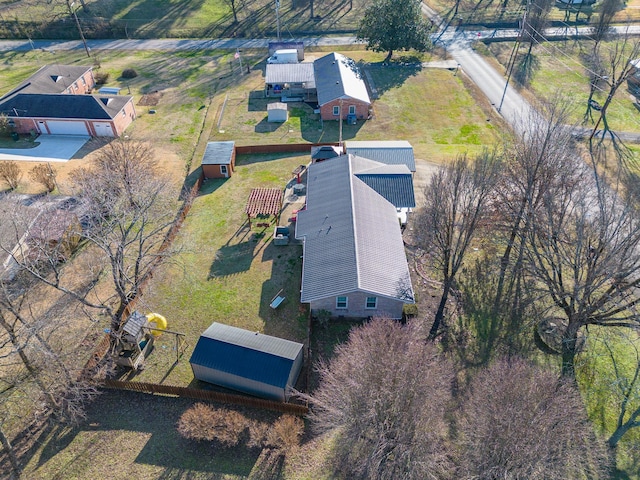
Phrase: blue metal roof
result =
(396, 188)
(250, 355)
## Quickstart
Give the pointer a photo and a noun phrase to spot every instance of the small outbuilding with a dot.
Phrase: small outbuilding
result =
(277, 112)
(249, 362)
(219, 159)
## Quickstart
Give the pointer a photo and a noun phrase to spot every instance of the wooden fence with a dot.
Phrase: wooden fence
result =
(157, 389)
(278, 148)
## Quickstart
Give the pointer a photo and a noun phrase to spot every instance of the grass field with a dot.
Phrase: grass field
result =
(173, 19)
(561, 74)
(225, 272)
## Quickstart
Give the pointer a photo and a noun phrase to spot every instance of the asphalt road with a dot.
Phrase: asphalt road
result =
(459, 44)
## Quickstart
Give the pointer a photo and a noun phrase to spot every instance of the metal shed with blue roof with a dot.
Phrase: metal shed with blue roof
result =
(249, 362)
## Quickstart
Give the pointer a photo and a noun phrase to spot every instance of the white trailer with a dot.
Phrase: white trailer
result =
(288, 55)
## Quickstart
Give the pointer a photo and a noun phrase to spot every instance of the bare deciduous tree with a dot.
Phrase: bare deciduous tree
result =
(456, 200)
(596, 70)
(129, 207)
(583, 252)
(45, 175)
(384, 393)
(517, 421)
(10, 174)
(613, 73)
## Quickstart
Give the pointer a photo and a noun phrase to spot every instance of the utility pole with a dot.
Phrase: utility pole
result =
(75, 16)
(278, 17)
(514, 55)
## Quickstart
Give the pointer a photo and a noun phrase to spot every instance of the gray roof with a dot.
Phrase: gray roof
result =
(393, 182)
(218, 153)
(352, 238)
(61, 105)
(281, 73)
(337, 77)
(323, 152)
(50, 79)
(251, 355)
(393, 152)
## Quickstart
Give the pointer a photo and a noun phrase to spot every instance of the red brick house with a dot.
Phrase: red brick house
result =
(341, 89)
(56, 100)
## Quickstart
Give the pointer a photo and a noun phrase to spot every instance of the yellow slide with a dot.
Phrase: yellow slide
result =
(158, 321)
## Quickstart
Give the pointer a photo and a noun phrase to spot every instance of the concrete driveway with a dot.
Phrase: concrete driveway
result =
(52, 148)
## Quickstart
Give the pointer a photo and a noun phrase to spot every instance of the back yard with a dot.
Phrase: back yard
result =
(224, 271)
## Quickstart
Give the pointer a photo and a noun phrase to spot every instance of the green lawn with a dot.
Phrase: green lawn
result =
(601, 390)
(178, 19)
(561, 75)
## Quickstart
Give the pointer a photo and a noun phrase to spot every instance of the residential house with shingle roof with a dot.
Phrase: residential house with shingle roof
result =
(354, 262)
(56, 100)
(334, 80)
(341, 88)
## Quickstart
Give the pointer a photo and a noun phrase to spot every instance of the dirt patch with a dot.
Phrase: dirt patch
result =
(150, 99)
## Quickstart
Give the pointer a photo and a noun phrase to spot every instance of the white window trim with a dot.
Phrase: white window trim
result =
(336, 110)
(346, 303)
(352, 109)
(366, 303)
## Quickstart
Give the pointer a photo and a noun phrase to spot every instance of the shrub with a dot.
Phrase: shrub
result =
(5, 127)
(10, 173)
(202, 422)
(258, 433)
(44, 175)
(101, 77)
(285, 433)
(129, 73)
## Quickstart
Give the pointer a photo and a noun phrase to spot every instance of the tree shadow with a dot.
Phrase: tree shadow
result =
(383, 77)
(525, 69)
(154, 417)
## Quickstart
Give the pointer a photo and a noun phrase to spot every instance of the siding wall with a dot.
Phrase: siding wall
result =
(235, 382)
(356, 306)
(362, 109)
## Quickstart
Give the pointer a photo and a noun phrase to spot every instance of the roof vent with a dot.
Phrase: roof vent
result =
(105, 100)
(56, 78)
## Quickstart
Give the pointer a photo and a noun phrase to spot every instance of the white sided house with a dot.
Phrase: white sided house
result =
(354, 262)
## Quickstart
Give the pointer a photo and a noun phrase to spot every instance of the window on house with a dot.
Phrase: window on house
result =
(336, 110)
(342, 302)
(84, 82)
(372, 302)
(352, 109)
